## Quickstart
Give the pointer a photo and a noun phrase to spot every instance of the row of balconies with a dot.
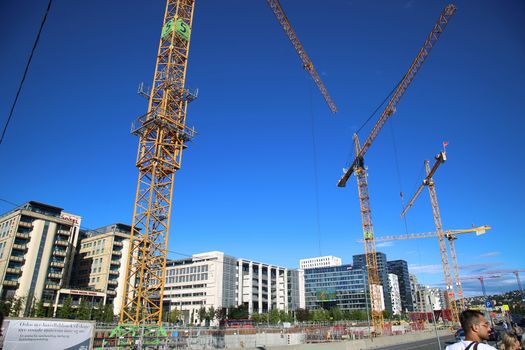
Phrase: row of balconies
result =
(10, 283)
(57, 264)
(16, 258)
(112, 282)
(59, 253)
(54, 275)
(25, 224)
(113, 272)
(16, 270)
(63, 232)
(52, 286)
(62, 242)
(118, 244)
(22, 235)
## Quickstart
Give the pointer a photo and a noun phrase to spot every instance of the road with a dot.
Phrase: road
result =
(427, 344)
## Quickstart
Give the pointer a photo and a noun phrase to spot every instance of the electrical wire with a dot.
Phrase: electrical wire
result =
(25, 71)
(378, 107)
(316, 176)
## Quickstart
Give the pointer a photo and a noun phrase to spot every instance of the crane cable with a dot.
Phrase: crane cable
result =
(316, 180)
(25, 71)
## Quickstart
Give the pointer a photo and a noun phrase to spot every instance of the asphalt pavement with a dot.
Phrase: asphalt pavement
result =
(427, 344)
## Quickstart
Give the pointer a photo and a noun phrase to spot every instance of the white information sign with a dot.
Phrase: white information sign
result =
(37, 334)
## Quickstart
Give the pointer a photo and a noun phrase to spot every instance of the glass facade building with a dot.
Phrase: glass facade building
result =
(360, 262)
(335, 286)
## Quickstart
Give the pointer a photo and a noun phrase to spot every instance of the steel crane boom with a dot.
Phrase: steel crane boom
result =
(307, 63)
(448, 233)
(432, 38)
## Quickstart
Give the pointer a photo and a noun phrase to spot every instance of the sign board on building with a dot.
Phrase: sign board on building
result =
(326, 295)
(38, 334)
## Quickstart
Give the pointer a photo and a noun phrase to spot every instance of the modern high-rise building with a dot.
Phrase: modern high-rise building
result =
(101, 261)
(320, 261)
(336, 286)
(222, 281)
(360, 262)
(37, 247)
(400, 268)
(393, 284)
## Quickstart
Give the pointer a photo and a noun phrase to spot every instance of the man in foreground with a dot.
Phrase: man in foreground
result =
(476, 329)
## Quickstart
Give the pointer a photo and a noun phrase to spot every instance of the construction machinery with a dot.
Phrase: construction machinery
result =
(451, 236)
(429, 182)
(358, 166)
(448, 233)
(163, 135)
(307, 63)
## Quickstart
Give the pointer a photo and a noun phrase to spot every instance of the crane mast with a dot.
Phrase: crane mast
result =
(307, 63)
(162, 136)
(441, 241)
(429, 182)
(374, 283)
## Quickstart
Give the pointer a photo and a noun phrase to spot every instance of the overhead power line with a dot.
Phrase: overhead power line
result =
(25, 71)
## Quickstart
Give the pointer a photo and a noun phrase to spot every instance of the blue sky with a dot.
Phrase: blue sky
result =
(268, 151)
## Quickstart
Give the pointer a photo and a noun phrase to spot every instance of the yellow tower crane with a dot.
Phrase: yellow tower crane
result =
(429, 182)
(163, 135)
(358, 167)
(451, 236)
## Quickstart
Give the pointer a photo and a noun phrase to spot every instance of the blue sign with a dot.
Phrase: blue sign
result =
(488, 304)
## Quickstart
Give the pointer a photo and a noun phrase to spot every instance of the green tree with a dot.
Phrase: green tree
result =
(83, 311)
(320, 315)
(302, 315)
(256, 317)
(98, 312)
(273, 316)
(386, 314)
(40, 310)
(220, 314)
(16, 306)
(210, 315)
(66, 311)
(238, 313)
(202, 314)
(174, 315)
(5, 306)
(336, 314)
(108, 316)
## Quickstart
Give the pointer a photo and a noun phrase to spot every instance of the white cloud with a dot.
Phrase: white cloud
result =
(432, 268)
(490, 254)
(385, 244)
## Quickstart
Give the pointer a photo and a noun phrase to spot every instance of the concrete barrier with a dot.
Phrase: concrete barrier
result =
(362, 343)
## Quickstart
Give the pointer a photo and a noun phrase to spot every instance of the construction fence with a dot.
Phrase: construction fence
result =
(238, 338)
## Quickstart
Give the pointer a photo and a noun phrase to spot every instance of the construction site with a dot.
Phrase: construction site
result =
(276, 196)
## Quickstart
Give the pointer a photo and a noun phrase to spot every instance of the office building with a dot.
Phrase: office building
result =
(102, 260)
(321, 261)
(37, 247)
(360, 262)
(393, 284)
(400, 268)
(214, 279)
(336, 286)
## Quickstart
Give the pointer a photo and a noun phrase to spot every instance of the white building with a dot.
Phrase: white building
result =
(216, 280)
(395, 295)
(321, 261)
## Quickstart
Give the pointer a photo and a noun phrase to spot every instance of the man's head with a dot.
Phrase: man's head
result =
(475, 325)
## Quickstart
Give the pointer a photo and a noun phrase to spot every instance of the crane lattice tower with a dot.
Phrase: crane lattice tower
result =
(162, 136)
